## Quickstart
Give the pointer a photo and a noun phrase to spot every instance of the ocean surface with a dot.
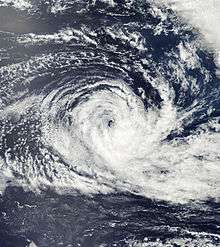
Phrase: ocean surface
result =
(109, 123)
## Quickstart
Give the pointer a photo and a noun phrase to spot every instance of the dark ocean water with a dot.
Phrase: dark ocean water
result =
(109, 127)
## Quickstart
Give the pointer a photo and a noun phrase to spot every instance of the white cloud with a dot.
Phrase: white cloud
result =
(203, 15)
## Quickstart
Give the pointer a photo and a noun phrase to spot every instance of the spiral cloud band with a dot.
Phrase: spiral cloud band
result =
(99, 109)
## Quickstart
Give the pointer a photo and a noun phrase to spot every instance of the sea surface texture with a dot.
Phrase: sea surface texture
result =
(109, 123)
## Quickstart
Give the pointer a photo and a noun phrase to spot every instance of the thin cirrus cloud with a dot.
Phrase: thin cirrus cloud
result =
(203, 15)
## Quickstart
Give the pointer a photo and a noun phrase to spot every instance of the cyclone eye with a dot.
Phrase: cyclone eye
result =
(110, 123)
